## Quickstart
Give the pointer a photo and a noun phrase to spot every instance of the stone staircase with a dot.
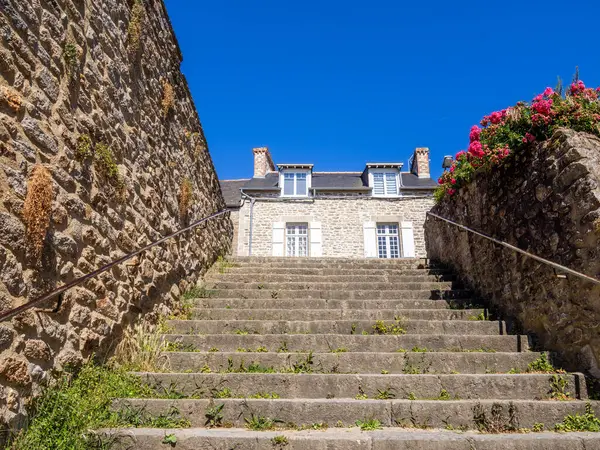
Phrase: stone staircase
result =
(294, 353)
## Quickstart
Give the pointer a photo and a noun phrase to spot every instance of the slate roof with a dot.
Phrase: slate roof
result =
(411, 181)
(231, 191)
(335, 181)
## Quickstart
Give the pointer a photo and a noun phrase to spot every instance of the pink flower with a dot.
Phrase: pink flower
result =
(548, 92)
(497, 116)
(577, 88)
(453, 181)
(459, 154)
(537, 98)
(528, 138)
(542, 107)
(476, 149)
(451, 191)
(452, 168)
(475, 133)
(440, 180)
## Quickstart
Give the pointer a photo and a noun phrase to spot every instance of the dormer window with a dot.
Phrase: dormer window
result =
(385, 183)
(294, 184)
(294, 179)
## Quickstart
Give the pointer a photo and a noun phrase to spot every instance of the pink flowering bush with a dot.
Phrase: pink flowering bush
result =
(517, 128)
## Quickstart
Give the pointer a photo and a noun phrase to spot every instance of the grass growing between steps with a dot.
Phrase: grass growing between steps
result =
(64, 415)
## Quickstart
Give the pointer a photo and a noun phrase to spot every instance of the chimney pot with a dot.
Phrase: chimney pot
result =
(420, 164)
(263, 162)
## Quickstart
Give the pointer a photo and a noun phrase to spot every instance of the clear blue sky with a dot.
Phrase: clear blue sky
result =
(339, 83)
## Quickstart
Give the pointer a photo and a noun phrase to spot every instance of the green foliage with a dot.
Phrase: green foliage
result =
(369, 424)
(265, 395)
(170, 439)
(178, 346)
(223, 393)
(385, 394)
(71, 57)
(480, 316)
(514, 130)
(280, 441)
(444, 395)
(339, 350)
(537, 427)
(580, 422)
(259, 423)
(380, 327)
(558, 388)
(214, 416)
(62, 417)
(106, 165)
(541, 365)
(84, 147)
(135, 27)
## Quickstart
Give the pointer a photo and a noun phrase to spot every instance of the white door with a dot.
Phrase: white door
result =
(296, 239)
(388, 243)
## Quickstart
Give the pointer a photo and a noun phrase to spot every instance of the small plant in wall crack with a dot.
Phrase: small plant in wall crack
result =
(168, 99)
(135, 27)
(37, 209)
(83, 150)
(71, 57)
(185, 197)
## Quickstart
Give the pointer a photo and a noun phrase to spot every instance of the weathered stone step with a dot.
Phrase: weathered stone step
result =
(329, 262)
(334, 286)
(389, 327)
(318, 303)
(349, 439)
(334, 314)
(354, 343)
(461, 414)
(365, 294)
(325, 271)
(340, 360)
(363, 386)
(339, 278)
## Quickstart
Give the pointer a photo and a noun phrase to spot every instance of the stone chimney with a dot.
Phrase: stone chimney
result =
(420, 163)
(262, 162)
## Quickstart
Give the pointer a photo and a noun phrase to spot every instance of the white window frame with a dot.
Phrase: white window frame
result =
(387, 237)
(384, 172)
(295, 171)
(296, 237)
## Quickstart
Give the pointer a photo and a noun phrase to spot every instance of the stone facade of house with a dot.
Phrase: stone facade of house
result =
(340, 211)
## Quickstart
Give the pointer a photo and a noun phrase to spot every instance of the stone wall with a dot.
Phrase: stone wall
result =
(341, 220)
(545, 201)
(87, 87)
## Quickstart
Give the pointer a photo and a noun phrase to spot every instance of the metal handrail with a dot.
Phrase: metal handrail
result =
(518, 250)
(18, 310)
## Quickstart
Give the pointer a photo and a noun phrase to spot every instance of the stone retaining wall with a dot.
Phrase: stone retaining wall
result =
(545, 201)
(86, 88)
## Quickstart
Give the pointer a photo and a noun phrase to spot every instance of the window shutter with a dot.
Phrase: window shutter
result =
(278, 238)
(370, 235)
(378, 184)
(390, 184)
(316, 238)
(408, 240)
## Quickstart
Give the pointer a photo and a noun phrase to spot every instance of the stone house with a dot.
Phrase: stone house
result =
(293, 210)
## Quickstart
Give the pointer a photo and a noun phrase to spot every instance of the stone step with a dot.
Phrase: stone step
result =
(345, 286)
(340, 360)
(458, 414)
(329, 262)
(347, 439)
(334, 314)
(353, 343)
(340, 278)
(389, 327)
(325, 271)
(365, 294)
(372, 386)
(318, 303)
